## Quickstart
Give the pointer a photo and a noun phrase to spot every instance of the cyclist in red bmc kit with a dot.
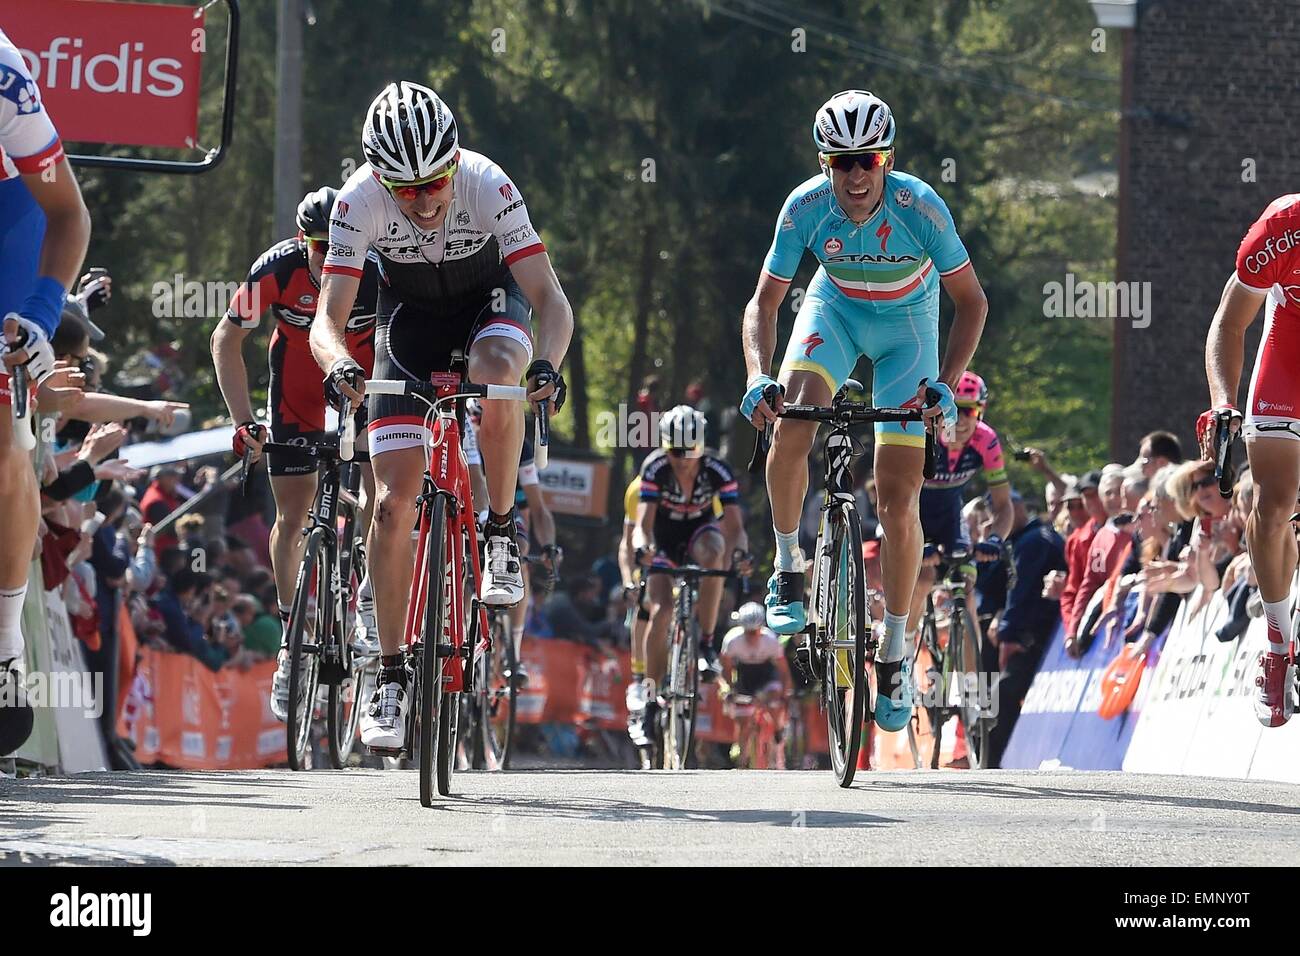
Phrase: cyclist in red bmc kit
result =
(1268, 274)
(285, 280)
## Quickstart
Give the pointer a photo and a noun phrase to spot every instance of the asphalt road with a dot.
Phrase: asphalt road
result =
(694, 817)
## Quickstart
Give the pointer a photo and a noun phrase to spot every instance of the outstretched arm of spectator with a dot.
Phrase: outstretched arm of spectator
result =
(71, 480)
(102, 407)
(1038, 461)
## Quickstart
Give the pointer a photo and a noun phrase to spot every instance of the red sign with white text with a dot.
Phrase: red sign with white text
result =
(126, 74)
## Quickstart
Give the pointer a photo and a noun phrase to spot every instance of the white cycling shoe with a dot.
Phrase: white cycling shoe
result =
(637, 695)
(503, 579)
(365, 631)
(280, 687)
(383, 724)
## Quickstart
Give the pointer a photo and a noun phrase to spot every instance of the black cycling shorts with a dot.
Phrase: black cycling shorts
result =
(413, 342)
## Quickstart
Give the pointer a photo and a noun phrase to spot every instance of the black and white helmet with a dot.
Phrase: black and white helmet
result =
(409, 133)
(313, 216)
(682, 427)
(853, 120)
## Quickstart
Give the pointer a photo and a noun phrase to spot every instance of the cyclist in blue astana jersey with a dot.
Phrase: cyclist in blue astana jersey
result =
(884, 242)
(44, 232)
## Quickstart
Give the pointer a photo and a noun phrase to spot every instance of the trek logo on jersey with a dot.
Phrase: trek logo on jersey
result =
(1273, 247)
(832, 247)
(20, 91)
(883, 234)
(509, 209)
(507, 192)
(812, 342)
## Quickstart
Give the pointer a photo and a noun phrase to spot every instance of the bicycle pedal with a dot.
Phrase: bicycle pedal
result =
(385, 751)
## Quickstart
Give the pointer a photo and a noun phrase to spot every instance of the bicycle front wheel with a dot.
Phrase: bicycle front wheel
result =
(683, 687)
(434, 632)
(311, 603)
(843, 644)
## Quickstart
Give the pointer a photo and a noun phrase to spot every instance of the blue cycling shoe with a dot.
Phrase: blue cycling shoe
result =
(785, 611)
(894, 694)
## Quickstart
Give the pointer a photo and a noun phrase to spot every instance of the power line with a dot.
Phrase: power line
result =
(865, 52)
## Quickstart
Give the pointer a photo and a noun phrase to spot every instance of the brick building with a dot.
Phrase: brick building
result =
(1211, 88)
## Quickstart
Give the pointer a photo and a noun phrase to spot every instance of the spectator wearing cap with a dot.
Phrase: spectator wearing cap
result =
(1080, 540)
(1029, 619)
(160, 499)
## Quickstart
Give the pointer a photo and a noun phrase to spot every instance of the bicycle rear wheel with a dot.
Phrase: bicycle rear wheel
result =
(345, 700)
(303, 640)
(683, 689)
(501, 695)
(433, 632)
(843, 644)
(965, 649)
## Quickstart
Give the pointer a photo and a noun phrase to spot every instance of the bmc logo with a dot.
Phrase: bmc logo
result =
(508, 192)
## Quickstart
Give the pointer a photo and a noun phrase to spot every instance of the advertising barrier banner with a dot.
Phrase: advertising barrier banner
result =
(117, 73)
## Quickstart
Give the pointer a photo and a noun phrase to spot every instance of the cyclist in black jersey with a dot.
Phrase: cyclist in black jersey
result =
(675, 525)
(461, 267)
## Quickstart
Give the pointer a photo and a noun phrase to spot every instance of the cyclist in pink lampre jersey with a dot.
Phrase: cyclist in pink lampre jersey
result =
(975, 448)
(1267, 274)
(44, 232)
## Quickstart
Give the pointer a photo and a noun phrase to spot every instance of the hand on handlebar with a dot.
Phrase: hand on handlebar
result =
(1210, 425)
(247, 441)
(946, 409)
(764, 399)
(345, 382)
(544, 382)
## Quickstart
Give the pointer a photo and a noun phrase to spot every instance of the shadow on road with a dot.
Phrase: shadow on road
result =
(986, 786)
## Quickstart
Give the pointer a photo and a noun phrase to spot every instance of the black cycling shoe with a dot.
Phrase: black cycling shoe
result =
(710, 669)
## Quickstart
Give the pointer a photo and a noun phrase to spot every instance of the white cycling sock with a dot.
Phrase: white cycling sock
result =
(365, 592)
(788, 555)
(517, 635)
(894, 645)
(11, 616)
(1278, 614)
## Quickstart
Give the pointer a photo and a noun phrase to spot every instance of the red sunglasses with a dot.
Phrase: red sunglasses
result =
(868, 159)
(434, 184)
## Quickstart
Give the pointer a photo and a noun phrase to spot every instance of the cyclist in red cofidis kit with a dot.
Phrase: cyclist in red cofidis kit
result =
(1268, 275)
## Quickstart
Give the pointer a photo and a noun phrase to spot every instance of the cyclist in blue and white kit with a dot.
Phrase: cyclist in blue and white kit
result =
(44, 232)
(884, 242)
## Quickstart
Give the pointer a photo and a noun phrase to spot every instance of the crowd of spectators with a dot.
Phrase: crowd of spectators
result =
(197, 585)
(1121, 546)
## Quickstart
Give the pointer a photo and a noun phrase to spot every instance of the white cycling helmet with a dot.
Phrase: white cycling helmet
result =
(409, 133)
(683, 427)
(853, 120)
(750, 616)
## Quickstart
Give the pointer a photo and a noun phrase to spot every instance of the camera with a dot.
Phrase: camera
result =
(1023, 455)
